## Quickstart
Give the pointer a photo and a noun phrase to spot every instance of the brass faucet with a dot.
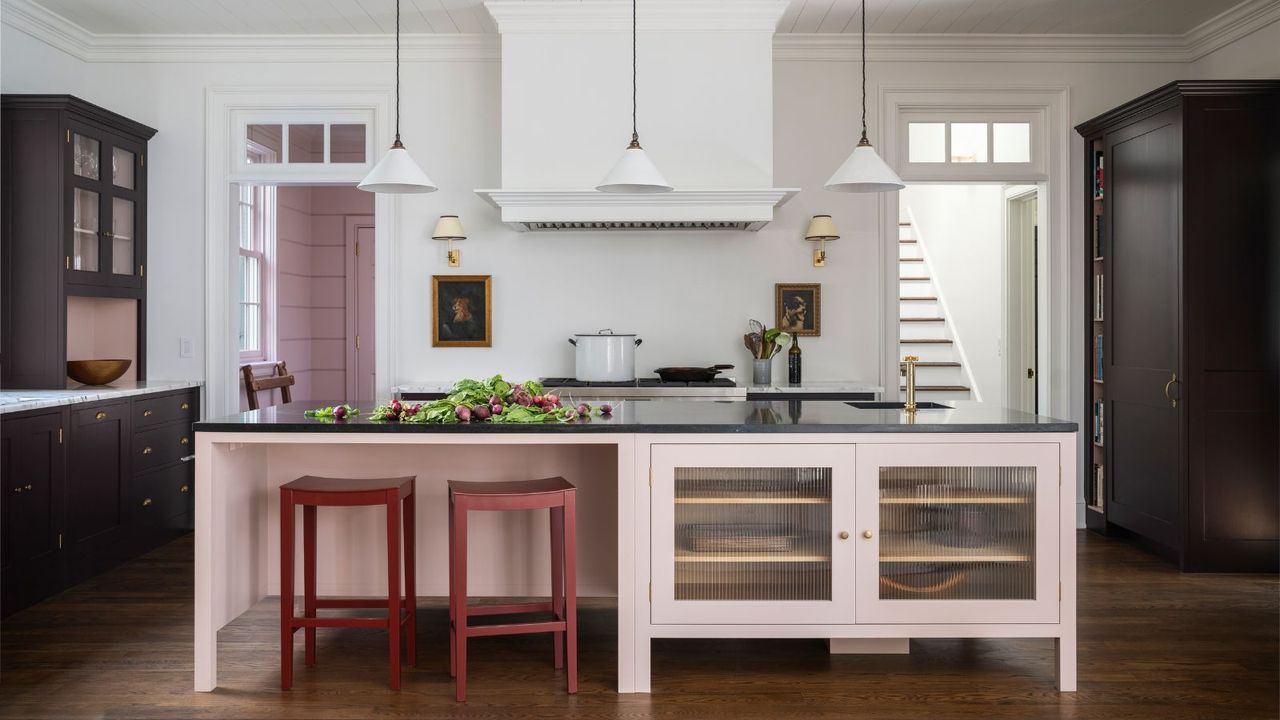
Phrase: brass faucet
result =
(908, 370)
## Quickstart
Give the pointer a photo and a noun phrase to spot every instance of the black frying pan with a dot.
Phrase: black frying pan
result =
(690, 374)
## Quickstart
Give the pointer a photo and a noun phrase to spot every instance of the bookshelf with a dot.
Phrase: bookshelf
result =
(1095, 453)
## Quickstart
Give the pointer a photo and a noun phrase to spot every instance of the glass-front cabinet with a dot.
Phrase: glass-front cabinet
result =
(957, 533)
(107, 187)
(752, 534)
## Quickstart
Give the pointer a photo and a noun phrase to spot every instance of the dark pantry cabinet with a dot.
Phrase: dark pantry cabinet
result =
(86, 486)
(1183, 322)
(73, 223)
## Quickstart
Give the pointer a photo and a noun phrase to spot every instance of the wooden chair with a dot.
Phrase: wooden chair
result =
(280, 379)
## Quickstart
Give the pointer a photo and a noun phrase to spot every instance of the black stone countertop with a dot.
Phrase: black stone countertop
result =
(680, 416)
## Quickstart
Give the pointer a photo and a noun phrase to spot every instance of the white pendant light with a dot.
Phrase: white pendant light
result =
(634, 172)
(396, 173)
(864, 171)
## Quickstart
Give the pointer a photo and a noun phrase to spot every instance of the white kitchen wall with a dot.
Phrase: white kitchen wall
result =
(688, 295)
(961, 230)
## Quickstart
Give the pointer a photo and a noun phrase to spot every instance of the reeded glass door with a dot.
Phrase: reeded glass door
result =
(957, 533)
(752, 534)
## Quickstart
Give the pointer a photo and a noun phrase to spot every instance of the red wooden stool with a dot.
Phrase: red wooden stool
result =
(312, 492)
(554, 493)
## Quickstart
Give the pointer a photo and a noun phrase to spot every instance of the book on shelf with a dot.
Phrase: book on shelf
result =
(1097, 297)
(1098, 488)
(1097, 357)
(1099, 175)
(1099, 236)
(1099, 423)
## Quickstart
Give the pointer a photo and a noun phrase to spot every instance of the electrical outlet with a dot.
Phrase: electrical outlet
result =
(186, 348)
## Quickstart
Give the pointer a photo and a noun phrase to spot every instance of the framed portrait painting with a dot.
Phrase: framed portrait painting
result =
(798, 308)
(461, 311)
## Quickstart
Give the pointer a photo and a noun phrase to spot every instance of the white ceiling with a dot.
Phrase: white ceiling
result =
(305, 17)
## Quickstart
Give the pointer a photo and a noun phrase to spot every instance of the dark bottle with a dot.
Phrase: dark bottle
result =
(793, 361)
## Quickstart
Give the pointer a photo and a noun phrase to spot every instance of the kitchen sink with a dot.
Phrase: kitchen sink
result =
(884, 405)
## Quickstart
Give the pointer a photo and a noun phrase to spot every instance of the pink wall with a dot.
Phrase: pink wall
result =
(103, 329)
(310, 285)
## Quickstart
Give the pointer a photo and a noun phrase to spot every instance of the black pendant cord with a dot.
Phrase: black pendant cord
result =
(635, 133)
(397, 142)
(864, 140)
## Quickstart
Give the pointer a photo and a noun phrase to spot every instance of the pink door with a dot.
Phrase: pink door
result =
(361, 386)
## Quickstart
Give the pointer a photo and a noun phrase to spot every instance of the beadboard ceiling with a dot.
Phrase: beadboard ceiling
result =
(960, 17)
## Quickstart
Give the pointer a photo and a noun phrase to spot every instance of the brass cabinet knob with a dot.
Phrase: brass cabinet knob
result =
(146, 450)
(27, 486)
(184, 489)
(101, 415)
(185, 441)
(17, 489)
(867, 534)
(146, 413)
(146, 502)
(844, 534)
(185, 406)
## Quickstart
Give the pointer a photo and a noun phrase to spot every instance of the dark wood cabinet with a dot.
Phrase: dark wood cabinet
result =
(73, 223)
(1183, 326)
(87, 486)
(32, 477)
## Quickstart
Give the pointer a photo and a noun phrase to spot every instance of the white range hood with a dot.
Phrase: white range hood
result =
(705, 84)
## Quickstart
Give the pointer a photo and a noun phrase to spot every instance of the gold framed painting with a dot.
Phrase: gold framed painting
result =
(798, 308)
(461, 311)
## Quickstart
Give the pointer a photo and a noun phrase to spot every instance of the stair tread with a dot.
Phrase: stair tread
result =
(936, 388)
(904, 224)
(936, 364)
(902, 260)
(919, 297)
(922, 319)
(912, 278)
(907, 341)
(907, 241)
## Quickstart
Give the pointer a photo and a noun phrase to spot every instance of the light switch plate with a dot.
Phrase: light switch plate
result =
(186, 348)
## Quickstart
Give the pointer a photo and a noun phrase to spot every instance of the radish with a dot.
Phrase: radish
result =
(606, 409)
(463, 412)
(480, 412)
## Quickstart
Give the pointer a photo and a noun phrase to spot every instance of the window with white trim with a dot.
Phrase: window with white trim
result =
(257, 239)
(970, 145)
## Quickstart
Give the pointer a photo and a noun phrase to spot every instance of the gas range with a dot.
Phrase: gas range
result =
(644, 388)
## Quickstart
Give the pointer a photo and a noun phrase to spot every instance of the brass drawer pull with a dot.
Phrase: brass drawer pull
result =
(101, 415)
(17, 489)
(146, 413)
(27, 486)
(184, 489)
(184, 406)
(146, 502)
(146, 450)
(185, 441)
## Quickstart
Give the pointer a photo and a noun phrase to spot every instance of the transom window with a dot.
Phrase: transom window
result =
(1001, 145)
(968, 142)
(306, 142)
(310, 145)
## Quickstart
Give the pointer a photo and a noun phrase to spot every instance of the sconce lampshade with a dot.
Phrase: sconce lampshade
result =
(448, 227)
(821, 227)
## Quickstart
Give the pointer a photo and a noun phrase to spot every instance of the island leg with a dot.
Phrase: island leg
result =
(1064, 651)
(206, 630)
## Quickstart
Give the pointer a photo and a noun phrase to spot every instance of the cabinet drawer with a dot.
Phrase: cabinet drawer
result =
(161, 446)
(151, 410)
(96, 414)
(157, 497)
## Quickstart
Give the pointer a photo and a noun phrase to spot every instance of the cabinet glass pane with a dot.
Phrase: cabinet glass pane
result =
(957, 533)
(306, 143)
(263, 144)
(122, 224)
(346, 143)
(86, 156)
(84, 252)
(122, 162)
(753, 534)
(968, 142)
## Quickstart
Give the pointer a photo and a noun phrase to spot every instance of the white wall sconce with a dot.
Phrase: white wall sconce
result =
(449, 228)
(822, 230)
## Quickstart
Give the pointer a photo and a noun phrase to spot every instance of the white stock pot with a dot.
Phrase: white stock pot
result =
(605, 356)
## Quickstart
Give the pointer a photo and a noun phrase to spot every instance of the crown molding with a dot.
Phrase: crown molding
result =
(550, 17)
(546, 16)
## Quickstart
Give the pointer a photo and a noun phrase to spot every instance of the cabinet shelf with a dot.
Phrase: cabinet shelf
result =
(758, 558)
(961, 500)
(907, 552)
(747, 500)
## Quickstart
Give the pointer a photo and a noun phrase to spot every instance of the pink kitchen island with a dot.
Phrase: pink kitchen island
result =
(802, 519)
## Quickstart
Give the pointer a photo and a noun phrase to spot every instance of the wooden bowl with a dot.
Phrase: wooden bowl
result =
(96, 372)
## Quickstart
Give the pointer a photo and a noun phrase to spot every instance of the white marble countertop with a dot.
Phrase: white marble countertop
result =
(815, 386)
(19, 400)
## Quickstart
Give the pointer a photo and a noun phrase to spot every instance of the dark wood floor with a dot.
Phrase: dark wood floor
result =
(1153, 644)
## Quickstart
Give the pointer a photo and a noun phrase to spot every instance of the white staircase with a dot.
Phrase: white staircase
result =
(923, 328)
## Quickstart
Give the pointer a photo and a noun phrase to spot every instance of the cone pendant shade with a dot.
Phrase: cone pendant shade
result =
(864, 172)
(397, 173)
(634, 173)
